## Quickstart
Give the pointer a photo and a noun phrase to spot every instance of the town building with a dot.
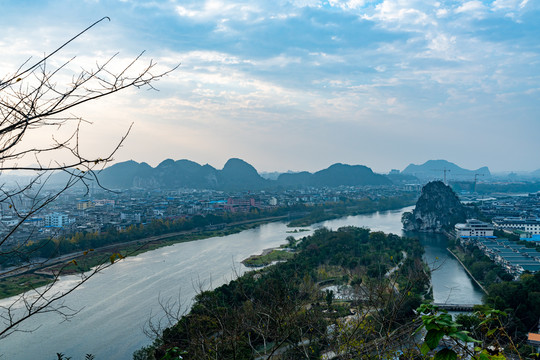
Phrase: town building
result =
(84, 204)
(531, 226)
(56, 219)
(512, 257)
(474, 228)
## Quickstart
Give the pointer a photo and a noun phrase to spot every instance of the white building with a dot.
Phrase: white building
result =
(474, 228)
(531, 226)
(56, 219)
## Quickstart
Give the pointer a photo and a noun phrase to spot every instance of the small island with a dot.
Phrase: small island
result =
(268, 257)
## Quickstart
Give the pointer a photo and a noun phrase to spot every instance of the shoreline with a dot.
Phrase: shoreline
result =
(468, 272)
(42, 273)
(451, 236)
(265, 252)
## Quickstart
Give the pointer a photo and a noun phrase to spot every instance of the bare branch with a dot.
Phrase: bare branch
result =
(32, 103)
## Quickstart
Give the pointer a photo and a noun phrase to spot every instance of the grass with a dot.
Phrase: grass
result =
(18, 284)
(263, 260)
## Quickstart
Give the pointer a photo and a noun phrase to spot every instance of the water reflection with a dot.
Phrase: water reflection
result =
(451, 284)
(116, 303)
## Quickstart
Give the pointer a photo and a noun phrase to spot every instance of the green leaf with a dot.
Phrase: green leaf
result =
(424, 349)
(433, 337)
(464, 336)
(483, 356)
(445, 354)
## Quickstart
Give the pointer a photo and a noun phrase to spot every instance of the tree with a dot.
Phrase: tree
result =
(32, 101)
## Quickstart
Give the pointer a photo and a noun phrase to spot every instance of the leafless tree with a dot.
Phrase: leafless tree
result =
(37, 100)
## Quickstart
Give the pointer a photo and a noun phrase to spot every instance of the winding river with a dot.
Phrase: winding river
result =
(115, 305)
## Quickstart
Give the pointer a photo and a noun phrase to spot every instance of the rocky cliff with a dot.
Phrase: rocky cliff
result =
(437, 209)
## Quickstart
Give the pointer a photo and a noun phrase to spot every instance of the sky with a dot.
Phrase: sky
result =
(301, 84)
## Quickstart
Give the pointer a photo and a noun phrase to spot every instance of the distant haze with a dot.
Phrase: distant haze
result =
(301, 85)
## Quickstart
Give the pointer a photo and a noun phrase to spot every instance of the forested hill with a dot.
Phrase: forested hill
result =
(235, 175)
(286, 310)
(335, 175)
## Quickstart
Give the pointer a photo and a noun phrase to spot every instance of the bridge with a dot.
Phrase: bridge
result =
(455, 307)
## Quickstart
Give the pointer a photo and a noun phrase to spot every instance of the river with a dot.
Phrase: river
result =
(115, 305)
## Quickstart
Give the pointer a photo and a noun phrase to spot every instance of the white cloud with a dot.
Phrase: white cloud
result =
(512, 9)
(306, 3)
(280, 61)
(182, 11)
(441, 13)
(509, 4)
(217, 9)
(400, 14)
(442, 46)
(424, 61)
(347, 4)
(474, 8)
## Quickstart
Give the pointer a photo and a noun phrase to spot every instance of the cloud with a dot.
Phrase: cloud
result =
(509, 4)
(284, 69)
(218, 9)
(399, 14)
(347, 4)
(473, 8)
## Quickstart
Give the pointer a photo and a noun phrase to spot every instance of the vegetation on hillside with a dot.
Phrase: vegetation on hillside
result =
(352, 207)
(372, 310)
(82, 241)
(518, 301)
(288, 310)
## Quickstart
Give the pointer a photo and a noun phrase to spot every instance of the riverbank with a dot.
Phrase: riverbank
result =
(118, 302)
(40, 274)
(81, 261)
(468, 272)
(451, 235)
(351, 208)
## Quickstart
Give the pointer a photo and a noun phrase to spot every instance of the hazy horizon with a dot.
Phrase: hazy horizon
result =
(303, 84)
(324, 167)
(261, 171)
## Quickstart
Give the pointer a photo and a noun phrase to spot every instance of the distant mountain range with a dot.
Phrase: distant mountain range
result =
(335, 175)
(239, 175)
(435, 169)
(235, 175)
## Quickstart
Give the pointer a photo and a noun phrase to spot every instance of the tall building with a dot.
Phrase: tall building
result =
(56, 219)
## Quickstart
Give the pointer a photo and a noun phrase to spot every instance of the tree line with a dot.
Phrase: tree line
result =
(82, 241)
(284, 310)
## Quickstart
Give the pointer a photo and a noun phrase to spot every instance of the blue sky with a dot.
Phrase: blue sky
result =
(302, 84)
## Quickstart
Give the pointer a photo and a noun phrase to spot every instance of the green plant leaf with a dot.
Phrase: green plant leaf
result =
(463, 336)
(445, 354)
(424, 349)
(433, 337)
